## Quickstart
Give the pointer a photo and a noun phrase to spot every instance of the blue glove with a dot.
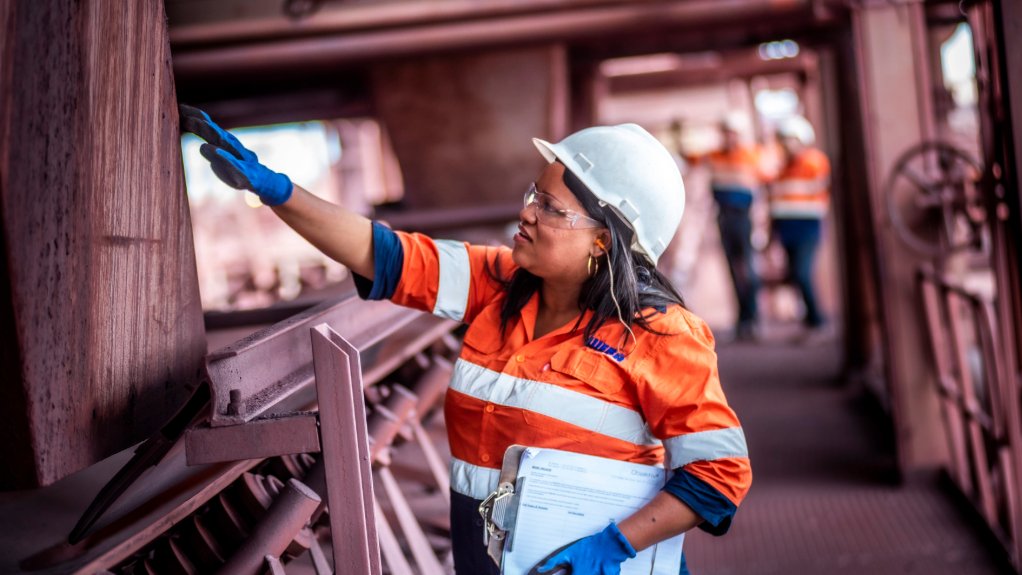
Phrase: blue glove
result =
(234, 164)
(199, 123)
(600, 554)
(272, 188)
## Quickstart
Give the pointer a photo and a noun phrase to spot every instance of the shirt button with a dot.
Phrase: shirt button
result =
(489, 409)
(519, 358)
(485, 458)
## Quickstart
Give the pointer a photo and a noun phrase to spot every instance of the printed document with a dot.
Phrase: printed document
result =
(565, 496)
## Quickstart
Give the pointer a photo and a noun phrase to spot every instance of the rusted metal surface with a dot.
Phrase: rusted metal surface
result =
(282, 523)
(103, 330)
(346, 460)
(257, 439)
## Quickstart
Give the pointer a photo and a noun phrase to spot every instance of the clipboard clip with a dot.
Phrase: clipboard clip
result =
(494, 510)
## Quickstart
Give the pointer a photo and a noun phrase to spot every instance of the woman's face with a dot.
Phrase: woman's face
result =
(552, 253)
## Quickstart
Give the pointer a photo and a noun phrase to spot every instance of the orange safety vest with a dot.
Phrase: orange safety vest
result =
(736, 170)
(659, 401)
(801, 189)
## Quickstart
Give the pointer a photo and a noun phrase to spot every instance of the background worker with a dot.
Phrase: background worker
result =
(798, 201)
(736, 178)
(575, 341)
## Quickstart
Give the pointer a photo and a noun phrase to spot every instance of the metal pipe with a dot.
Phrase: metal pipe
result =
(284, 520)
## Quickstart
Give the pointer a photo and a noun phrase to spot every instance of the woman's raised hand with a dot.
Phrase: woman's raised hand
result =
(232, 162)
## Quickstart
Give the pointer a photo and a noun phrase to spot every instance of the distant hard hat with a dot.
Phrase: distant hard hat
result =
(629, 170)
(735, 122)
(797, 127)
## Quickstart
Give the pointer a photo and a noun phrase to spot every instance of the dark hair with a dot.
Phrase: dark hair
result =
(637, 284)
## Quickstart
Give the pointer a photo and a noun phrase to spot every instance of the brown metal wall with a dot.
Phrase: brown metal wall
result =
(100, 310)
(462, 125)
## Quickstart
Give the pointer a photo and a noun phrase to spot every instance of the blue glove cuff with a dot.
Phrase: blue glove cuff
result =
(275, 189)
(624, 546)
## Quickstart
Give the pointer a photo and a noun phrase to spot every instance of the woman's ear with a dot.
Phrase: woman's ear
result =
(601, 242)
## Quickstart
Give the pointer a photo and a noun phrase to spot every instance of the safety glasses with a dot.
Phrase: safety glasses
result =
(552, 213)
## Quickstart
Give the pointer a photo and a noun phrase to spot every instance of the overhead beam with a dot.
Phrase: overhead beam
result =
(344, 46)
(744, 65)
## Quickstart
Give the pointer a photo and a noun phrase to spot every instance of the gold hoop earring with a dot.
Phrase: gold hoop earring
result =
(593, 266)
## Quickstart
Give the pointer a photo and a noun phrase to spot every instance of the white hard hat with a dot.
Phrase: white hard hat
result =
(736, 122)
(797, 127)
(628, 169)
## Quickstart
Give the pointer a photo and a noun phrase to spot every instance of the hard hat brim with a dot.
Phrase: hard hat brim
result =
(545, 148)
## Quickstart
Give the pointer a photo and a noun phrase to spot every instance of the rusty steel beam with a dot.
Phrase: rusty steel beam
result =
(406, 344)
(940, 347)
(437, 466)
(282, 523)
(273, 566)
(431, 220)
(422, 551)
(976, 433)
(744, 65)
(348, 46)
(346, 460)
(260, 373)
(366, 16)
(257, 439)
(393, 554)
(432, 385)
(430, 389)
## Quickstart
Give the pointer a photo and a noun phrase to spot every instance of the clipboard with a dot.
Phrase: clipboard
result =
(553, 492)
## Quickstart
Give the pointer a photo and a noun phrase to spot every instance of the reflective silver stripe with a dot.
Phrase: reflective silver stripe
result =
(791, 209)
(553, 401)
(472, 480)
(705, 446)
(455, 277)
(800, 187)
(736, 180)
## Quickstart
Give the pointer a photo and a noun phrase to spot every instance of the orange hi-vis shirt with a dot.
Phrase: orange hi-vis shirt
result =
(658, 401)
(801, 189)
(736, 175)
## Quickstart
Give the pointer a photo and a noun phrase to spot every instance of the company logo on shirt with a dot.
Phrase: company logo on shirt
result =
(602, 347)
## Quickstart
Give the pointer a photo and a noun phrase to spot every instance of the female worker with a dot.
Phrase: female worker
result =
(575, 341)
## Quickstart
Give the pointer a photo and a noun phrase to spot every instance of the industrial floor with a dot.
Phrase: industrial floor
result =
(824, 498)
